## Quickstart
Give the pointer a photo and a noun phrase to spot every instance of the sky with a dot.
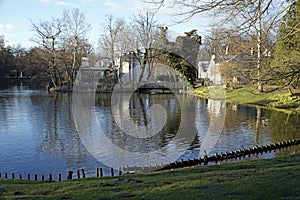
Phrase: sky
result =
(16, 17)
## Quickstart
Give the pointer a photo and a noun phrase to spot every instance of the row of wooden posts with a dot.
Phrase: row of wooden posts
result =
(127, 169)
(80, 174)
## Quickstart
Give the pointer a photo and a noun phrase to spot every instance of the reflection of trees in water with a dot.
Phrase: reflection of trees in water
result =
(284, 127)
(139, 112)
(237, 115)
(59, 136)
(60, 139)
(268, 126)
(140, 105)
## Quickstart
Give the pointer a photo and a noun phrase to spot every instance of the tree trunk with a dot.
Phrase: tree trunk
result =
(259, 81)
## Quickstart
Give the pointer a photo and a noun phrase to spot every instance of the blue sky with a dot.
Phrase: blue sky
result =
(15, 16)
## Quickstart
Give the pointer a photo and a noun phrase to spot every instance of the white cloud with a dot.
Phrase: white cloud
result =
(63, 3)
(57, 3)
(86, 1)
(6, 27)
(114, 5)
(46, 2)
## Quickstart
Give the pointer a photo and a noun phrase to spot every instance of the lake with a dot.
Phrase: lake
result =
(42, 133)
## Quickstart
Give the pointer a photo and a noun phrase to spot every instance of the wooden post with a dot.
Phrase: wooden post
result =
(28, 176)
(120, 171)
(101, 172)
(70, 175)
(97, 172)
(83, 174)
(43, 177)
(112, 171)
(13, 176)
(59, 177)
(20, 176)
(0, 175)
(78, 174)
(5, 176)
(50, 177)
(35, 177)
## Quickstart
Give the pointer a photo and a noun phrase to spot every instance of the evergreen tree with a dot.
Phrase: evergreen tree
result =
(286, 63)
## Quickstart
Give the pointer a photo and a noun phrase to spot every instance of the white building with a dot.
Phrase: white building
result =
(210, 70)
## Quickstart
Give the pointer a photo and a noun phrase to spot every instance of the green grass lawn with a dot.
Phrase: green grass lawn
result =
(279, 99)
(277, 178)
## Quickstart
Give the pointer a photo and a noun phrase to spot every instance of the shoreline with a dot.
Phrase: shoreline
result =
(279, 100)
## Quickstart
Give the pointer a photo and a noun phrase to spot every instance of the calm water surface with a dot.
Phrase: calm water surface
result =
(38, 134)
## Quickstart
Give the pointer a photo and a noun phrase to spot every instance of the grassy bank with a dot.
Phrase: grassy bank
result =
(279, 99)
(262, 179)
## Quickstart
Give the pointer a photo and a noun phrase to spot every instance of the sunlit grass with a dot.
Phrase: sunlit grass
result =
(279, 99)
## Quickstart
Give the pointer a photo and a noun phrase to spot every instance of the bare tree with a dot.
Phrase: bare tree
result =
(75, 29)
(147, 39)
(110, 41)
(47, 35)
(64, 40)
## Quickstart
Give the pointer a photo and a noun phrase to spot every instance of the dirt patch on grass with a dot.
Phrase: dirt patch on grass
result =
(209, 188)
(120, 181)
(42, 192)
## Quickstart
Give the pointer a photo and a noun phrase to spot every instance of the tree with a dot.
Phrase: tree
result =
(19, 57)
(48, 36)
(146, 41)
(64, 40)
(37, 67)
(110, 41)
(7, 60)
(286, 63)
(75, 28)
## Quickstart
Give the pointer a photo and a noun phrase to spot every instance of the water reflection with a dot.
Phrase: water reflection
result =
(118, 146)
(38, 133)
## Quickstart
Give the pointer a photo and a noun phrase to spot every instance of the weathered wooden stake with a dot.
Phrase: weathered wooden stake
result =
(59, 177)
(20, 176)
(5, 176)
(28, 176)
(101, 172)
(13, 176)
(120, 171)
(97, 172)
(0, 175)
(78, 174)
(50, 177)
(35, 177)
(112, 171)
(70, 175)
(43, 177)
(83, 173)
